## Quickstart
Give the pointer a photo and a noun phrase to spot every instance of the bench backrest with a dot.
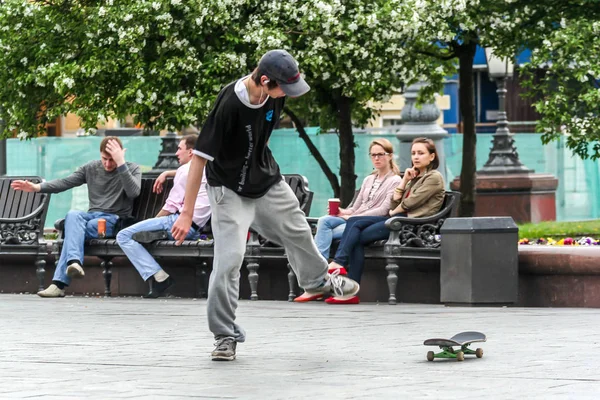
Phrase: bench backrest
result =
(299, 185)
(16, 203)
(22, 214)
(450, 203)
(148, 203)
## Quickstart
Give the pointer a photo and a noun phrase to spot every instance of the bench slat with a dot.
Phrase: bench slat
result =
(4, 187)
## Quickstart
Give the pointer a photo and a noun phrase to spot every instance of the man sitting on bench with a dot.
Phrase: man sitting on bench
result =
(159, 228)
(112, 185)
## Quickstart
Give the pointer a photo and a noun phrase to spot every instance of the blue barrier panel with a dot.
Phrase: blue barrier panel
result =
(578, 189)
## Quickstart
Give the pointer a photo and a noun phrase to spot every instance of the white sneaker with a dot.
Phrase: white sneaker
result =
(75, 271)
(52, 291)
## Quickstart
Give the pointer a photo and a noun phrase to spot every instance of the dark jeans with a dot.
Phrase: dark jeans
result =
(359, 232)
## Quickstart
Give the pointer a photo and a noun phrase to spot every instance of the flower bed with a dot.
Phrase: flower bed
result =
(584, 241)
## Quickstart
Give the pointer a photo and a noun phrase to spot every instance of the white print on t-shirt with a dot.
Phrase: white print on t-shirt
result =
(247, 158)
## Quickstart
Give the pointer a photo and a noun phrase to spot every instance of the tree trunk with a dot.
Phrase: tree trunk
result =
(347, 159)
(331, 177)
(466, 54)
(2, 157)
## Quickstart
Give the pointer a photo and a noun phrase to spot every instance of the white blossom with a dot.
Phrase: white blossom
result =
(69, 82)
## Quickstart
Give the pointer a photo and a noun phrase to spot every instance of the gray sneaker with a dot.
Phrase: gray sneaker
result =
(224, 349)
(336, 285)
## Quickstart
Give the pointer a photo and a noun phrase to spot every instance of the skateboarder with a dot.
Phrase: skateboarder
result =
(245, 188)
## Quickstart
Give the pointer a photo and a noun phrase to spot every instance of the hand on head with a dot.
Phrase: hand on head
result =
(116, 152)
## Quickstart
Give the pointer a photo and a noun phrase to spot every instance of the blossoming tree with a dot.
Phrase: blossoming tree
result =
(161, 61)
(351, 52)
(567, 92)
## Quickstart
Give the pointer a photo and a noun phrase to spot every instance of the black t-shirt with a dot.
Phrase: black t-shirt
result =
(234, 140)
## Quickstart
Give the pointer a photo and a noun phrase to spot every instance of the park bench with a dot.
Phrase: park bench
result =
(147, 205)
(22, 218)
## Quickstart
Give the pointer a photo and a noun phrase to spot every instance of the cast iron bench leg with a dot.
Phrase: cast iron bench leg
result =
(40, 271)
(202, 280)
(392, 279)
(106, 264)
(292, 283)
(253, 277)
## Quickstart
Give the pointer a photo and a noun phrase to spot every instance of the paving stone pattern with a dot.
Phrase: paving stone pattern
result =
(131, 348)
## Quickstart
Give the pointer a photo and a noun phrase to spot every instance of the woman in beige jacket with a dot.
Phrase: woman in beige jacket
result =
(420, 194)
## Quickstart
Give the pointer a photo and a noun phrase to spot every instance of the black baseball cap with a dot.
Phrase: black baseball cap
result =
(281, 66)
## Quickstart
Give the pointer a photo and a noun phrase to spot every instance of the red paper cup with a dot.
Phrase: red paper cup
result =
(101, 227)
(334, 207)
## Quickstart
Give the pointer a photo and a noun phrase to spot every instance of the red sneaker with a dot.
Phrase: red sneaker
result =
(335, 300)
(341, 269)
(304, 297)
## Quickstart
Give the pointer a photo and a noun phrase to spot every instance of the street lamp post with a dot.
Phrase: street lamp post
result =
(503, 158)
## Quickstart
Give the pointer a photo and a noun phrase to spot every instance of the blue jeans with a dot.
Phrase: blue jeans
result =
(360, 231)
(145, 264)
(79, 226)
(329, 228)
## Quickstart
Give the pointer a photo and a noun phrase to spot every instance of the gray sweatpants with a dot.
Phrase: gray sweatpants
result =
(277, 217)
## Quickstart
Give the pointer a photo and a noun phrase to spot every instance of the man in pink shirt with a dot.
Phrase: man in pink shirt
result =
(158, 228)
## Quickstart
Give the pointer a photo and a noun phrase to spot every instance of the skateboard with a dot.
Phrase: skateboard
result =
(462, 340)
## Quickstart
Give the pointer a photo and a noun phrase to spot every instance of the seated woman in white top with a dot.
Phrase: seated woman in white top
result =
(373, 199)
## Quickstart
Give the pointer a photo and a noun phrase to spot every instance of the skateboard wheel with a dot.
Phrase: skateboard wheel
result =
(460, 356)
(479, 352)
(430, 356)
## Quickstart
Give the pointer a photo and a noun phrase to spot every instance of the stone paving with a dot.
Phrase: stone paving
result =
(130, 348)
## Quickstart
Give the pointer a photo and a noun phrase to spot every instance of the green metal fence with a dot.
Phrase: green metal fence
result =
(579, 180)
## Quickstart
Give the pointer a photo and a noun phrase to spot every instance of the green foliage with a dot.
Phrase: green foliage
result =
(162, 61)
(569, 89)
(563, 75)
(355, 49)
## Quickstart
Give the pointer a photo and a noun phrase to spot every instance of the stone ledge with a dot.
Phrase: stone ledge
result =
(559, 260)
